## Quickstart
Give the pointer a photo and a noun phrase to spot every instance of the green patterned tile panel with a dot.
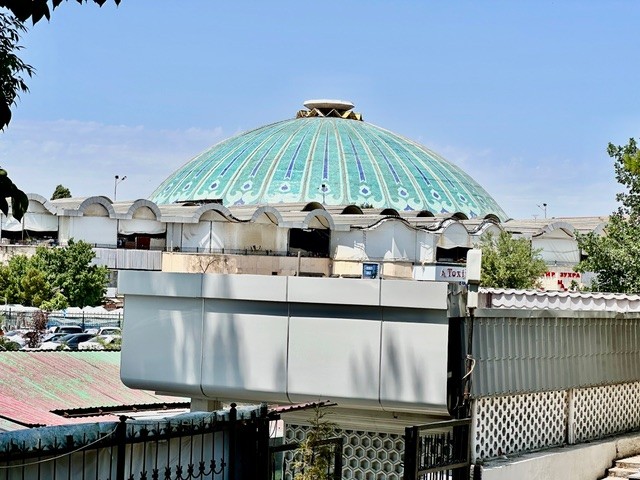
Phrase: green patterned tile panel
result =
(340, 162)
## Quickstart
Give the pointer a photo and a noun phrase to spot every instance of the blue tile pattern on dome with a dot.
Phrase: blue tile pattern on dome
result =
(358, 163)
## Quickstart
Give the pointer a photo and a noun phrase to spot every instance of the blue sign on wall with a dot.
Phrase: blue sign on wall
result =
(370, 270)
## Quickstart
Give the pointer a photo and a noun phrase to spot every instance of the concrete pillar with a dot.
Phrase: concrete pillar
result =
(205, 405)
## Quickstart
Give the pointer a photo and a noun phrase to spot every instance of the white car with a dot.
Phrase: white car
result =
(99, 342)
(105, 331)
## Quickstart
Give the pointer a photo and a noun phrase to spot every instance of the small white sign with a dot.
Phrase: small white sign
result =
(446, 273)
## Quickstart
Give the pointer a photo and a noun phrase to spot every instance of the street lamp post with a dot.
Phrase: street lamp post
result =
(118, 179)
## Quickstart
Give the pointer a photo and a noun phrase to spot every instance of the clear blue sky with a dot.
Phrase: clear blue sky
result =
(522, 95)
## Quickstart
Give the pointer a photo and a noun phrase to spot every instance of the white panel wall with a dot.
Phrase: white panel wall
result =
(348, 245)
(174, 235)
(334, 358)
(413, 359)
(141, 225)
(250, 235)
(94, 230)
(455, 235)
(426, 243)
(562, 250)
(371, 344)
(170, 343)
(391, 241)
(245, 351)
(200, 236)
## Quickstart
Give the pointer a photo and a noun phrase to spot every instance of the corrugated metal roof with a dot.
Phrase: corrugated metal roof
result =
(560, 300)
(32, 384)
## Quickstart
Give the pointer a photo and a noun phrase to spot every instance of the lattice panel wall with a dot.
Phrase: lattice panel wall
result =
(602, 411)
(517, 423)
(367, 455)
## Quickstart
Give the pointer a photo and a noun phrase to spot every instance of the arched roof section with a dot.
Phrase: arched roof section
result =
(564, 226)
(425, 213)
(460, 216)
(488, 227)
(34, 197)
(390, 212)
(141, 203)
(214, 211)
(492, 217)
(267, 214)
(351, 210)
(104, 202)
(454, 235)
(311, 206)
(600, 228)
(319, 219)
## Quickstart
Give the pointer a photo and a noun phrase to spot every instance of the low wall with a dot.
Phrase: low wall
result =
(246, 264)
(578, 462)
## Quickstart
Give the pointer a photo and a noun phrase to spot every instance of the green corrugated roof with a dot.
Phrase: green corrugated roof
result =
(32, 384)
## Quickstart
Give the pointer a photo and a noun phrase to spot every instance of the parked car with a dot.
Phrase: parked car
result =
(66, 329)
(52, 336)
(66, 342)
(105, 331)
(17, 336)
(100, 342)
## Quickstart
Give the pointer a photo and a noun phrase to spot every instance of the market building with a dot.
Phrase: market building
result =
(324, 258)
(322, 194)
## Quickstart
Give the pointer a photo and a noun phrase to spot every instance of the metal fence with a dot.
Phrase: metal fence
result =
(195, 446)
(438, 451)
(14, 319)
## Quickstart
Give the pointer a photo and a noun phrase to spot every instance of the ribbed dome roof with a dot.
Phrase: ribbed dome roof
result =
(331, 160)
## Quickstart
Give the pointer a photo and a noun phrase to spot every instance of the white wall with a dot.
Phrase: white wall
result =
(364, 343)
(557, 246)
(348, 245)
(577, 462)
(94, 230)
(239, 236)
(391, 240)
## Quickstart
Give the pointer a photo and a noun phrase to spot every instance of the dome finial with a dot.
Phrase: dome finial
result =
(329, 108)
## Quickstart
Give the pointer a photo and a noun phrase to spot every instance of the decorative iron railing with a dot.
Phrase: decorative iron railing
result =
(438, 451)
(195, 446)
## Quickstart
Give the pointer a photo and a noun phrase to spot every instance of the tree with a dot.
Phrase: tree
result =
(314, 456)
(12, 78)
(12, 72)
(12, 69)
(69, 271)
(37, 9)
(54, 278)
(615, 256)
(61, 192)
(509, 262)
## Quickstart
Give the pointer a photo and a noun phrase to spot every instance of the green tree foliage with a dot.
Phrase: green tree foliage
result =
(12, 69)
(61, 192)
(13, 72)
(509, 262)
(314, 458)
(69, 270)
(37, 9)
(12, 83)
(54, 278)
(615, 256)
(6, 345)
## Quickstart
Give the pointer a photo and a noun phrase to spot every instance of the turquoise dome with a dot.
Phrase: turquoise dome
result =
(331, 160)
